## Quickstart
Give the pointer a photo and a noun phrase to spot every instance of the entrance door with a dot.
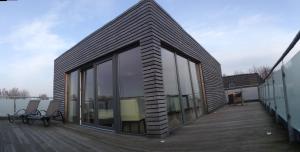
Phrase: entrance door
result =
(104, 96)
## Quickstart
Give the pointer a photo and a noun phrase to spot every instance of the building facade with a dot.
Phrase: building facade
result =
(244, 84)
(141, 73)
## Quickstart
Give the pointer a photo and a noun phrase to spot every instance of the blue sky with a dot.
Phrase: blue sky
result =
(240, 34)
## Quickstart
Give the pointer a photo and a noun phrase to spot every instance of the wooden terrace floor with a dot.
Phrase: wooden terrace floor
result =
(229, 129)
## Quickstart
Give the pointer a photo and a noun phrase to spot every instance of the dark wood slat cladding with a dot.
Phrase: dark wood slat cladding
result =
(156, 108)
(149, 25)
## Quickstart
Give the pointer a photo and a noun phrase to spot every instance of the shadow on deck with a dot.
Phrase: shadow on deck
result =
(231, 128)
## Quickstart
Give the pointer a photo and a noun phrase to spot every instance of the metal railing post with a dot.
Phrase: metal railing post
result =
(15, 106)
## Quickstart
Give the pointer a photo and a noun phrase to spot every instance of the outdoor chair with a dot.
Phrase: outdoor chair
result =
(31, 109)
(45, 116)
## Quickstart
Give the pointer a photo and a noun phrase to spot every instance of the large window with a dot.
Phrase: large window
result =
(197, 91)
(171, 88)
(186, 88)
(73, 100)
(131, 91)
(104, 102)
(88, 96)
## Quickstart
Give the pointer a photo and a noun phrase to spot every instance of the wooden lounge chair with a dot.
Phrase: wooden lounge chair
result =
(31, 109)
(46, 116)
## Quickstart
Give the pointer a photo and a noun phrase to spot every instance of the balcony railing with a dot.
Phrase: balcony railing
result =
(280, 92)
(9, 105)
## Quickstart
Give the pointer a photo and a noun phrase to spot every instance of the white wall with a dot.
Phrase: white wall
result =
(249, 93)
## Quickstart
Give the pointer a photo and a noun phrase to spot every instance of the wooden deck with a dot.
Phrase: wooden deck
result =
(231, 128)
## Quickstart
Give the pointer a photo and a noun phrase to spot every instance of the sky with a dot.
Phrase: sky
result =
(240, 34)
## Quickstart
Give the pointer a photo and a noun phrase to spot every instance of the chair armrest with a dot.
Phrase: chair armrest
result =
(17, 112)
(42, 112)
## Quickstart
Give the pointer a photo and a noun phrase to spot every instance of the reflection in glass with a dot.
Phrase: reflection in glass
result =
(131, 91)
(197, 91)
(88, 96)
(72, 97)
(186, 88)
(171, 88)
(104, 102)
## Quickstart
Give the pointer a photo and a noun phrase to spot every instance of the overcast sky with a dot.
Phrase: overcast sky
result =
(238, 33)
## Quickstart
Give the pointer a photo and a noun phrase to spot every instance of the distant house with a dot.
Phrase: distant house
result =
(139, 74)
(244, 85)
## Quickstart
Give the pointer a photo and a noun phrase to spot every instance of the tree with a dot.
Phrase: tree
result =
(14, 92)
(4, 93)
(262, 71)
(24, 93)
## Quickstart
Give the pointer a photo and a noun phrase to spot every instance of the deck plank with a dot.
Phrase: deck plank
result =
(231, 128)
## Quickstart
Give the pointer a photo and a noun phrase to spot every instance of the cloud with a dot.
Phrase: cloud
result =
(254, 40)
(33, 46)
(36, 37)
(29, 48)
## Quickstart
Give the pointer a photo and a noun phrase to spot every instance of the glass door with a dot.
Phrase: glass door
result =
(72, 97)
(88, 100)
(104, 96)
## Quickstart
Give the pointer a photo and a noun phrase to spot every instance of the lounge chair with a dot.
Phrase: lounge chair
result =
(31, 109)
(46, 116)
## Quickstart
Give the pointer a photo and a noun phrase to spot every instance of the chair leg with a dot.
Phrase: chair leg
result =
(29, 121)
(24, 119)
(62, 117)
(48, 122)
(44, 122)
(10, 118)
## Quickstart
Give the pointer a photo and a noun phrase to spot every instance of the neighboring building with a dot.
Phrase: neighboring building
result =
(141, 73)
(246, 84)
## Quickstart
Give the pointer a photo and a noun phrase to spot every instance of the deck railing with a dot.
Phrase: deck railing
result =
(280, 92)
(9, 105)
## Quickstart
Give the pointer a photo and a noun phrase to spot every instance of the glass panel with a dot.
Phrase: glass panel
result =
(186, 88)
(197, 91)
(131, 91)
(279, 96)
(104, 102)
(292, 73)
(272, 103)
(88, 96)
(73, 97)
(171, 88)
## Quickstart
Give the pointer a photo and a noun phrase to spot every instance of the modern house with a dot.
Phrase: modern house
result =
(141, 73)
(244, 85)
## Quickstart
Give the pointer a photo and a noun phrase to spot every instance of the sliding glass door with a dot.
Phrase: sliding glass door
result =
(104, 101)
(182, 88)
(88, 100)
(185, 88)
(72, 97)
(131, 91)
(171, 88)
(97, 101)
(197, 88)
(112, 93)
